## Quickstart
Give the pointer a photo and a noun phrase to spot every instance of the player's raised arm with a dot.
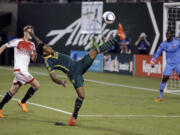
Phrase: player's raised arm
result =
(157, 54)
(3, 47)
(38, 41)
(57, 81)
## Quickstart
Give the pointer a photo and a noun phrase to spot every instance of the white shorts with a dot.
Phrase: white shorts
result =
(22, 77)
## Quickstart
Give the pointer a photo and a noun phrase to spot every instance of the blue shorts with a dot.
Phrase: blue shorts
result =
(170, 68)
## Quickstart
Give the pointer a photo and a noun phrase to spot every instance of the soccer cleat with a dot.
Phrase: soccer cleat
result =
(158, 99)
(72, 121)
(120, 32)
(23, 106)
(1, 114)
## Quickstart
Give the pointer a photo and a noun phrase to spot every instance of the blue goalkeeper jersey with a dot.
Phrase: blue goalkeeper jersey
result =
(172, 50)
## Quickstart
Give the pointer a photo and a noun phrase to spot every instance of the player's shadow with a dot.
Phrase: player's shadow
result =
(108, 130)
(37, 119)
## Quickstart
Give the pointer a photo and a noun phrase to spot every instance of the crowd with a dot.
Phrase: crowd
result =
(124, 46)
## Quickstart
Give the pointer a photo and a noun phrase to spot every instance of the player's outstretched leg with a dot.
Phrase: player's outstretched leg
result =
(35, 86)
(6, 98)
(28, 95)
(106, 45)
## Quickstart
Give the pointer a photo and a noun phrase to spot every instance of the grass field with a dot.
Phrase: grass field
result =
(114, 105)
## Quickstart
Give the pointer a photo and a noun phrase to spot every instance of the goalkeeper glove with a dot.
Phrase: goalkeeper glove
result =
(153, 62)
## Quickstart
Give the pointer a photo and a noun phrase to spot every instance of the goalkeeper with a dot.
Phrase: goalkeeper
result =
(172, 48)
(73, 69)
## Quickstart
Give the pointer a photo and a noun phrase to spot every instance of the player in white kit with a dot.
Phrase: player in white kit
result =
(24, 50)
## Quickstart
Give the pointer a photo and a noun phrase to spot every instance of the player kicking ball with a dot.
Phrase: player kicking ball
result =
(172, 48)
(73, 69)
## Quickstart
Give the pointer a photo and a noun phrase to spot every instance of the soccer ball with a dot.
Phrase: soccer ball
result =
(109, 17)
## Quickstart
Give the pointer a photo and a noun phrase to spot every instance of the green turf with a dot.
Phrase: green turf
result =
(100, 99)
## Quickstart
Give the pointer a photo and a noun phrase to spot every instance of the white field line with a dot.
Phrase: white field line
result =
(100, 82)
(111, 116)
(108, 116)
(43, 106)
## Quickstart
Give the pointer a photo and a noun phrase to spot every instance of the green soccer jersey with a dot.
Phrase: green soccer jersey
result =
(61, 62)
(73, 69)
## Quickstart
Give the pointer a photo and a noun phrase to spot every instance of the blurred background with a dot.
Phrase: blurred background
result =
(73, 27)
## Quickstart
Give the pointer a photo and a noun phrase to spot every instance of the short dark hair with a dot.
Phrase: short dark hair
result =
(39, 48)
(169, 30)
(28, 27)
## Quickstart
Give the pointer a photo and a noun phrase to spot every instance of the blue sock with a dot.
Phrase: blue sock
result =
(162, 86)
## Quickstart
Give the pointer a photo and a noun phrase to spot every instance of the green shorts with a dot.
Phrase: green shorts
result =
(82, 66)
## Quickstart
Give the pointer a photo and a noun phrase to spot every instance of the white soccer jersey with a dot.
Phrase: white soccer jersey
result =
(23, 50)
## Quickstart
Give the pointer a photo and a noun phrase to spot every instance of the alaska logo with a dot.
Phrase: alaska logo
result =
(76, 38)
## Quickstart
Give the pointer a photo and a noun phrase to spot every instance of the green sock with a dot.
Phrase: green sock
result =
(106, 45)
(78, 104)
